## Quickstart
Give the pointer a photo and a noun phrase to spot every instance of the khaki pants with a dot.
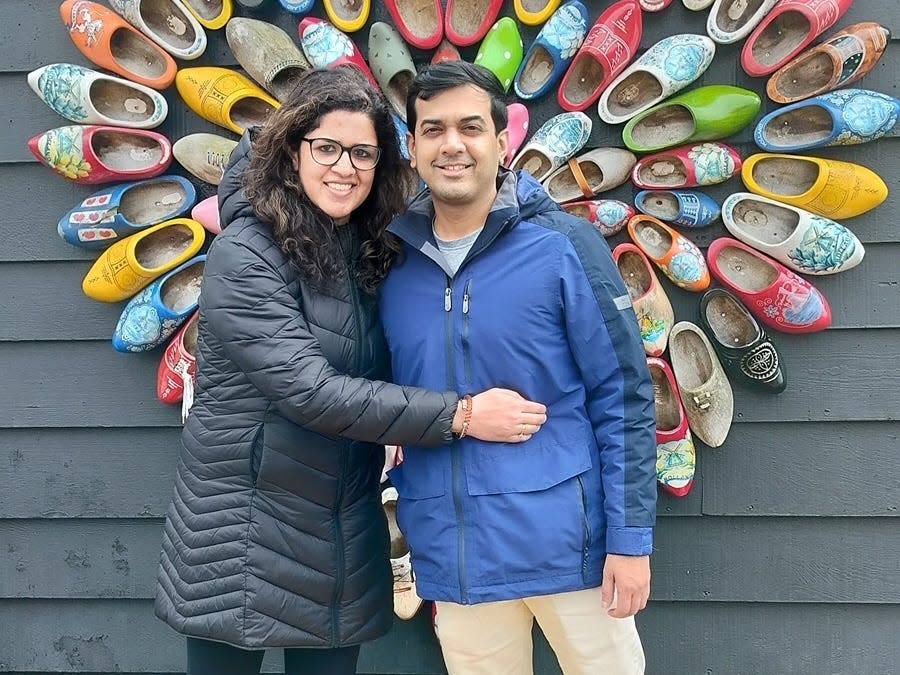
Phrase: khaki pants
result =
(494, 638)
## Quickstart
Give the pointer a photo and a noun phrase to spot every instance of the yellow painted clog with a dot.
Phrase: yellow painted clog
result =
(826, 187)
(130, 264)
(348, 17)
(535, 12)
(212, 14)
(224, 97)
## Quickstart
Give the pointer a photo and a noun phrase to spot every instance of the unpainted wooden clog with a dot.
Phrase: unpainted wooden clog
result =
(589, 174)
(268, 55)
(733, 20)
(204, 155)
(168, 23)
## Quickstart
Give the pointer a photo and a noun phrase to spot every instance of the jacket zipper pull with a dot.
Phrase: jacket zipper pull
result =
(466, 302)
(448, 300)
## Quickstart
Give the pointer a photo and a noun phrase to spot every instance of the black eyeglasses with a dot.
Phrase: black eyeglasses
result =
(328, 153)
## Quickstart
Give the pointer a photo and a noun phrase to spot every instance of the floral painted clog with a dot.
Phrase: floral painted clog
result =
(204, 155)
(119, 211)
(703, 114)
(152, 317)
(534, 12)
(178, 368)
(678, 207)
(501, 51)
(745, 350)
(843, 59)
(85, 96)
(169, 24)
(673, 253)
(224, 97)
(517, 119)
(212, 14)
(686, 167)
(467, 21)
(666, 68)
(420, 22)
(732, 20)
(676, 457)
(551, 52)
(589, 174)
(112, 43)
(268, 55)
(610, 45)
(327, 47)
(786, 30)
(610, 216)
(347, 16)
(826, 187)
(392, 65)
(798, 239)
(558, 139)
(654, 312)
(844, 117)
(95, 154)
(778, 297)
(207, 214)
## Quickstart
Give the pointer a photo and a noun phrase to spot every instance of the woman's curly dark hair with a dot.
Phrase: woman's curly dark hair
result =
(271, 184)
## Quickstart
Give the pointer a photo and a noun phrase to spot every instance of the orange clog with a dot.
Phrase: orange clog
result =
(673, 253)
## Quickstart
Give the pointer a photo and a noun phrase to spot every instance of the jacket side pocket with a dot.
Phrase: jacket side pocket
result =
(256, 452)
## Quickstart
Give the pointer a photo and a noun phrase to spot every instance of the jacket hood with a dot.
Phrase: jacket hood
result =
(232, 202)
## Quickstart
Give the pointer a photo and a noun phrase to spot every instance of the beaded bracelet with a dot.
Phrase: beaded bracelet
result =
(467, 415)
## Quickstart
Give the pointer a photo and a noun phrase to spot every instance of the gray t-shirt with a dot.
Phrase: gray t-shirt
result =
(456, 250)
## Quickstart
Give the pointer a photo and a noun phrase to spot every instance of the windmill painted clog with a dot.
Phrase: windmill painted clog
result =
(673, 253)
(85, 96)
(552, 51)
(687, 167)
(131, 263)
(745, 351)
(420, 22)
(589, 174)
(684, 208)
(676, 457)
(120, 211)
(609, 46)
(826, 187)
(517, 119)
(168, 23)
(787, 30)
(204, 155)
(212, 14)
(267, 54)
(732, 20)
(391, 64)
(327, 47)
(841, 60)
(654, 312)
(775, 295)
(558, 139)
(702, 384)
(348, 17)
(798, 239)
(297, 6)
(844, 117)
(105, 38)
(207, 214)
(178, 367)
(501, 51)
(534, 12)
(703, 114)
(610, 216)
(152, 317)
(224, 97)
(666, 68)
(95, 154)
(468, 21)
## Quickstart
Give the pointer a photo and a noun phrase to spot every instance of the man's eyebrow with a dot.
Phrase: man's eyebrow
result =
(464, 120)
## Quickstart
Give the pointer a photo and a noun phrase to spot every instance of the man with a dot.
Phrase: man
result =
(501, 287)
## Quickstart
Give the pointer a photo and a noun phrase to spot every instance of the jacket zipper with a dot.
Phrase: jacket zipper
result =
(586, 527)
(339, 546)
(467, 352)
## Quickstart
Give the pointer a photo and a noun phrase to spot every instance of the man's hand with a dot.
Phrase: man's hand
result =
(627, 578)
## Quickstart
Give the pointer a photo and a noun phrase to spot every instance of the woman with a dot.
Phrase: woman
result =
(276, 536)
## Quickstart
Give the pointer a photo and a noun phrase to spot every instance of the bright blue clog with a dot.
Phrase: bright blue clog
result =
(402, 131)
(298, 6)
(152, 316)
(679, 207)
(121, 210)
(553, 49)
(844, 117)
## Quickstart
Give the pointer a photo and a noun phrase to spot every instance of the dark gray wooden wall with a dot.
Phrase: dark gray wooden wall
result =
(784, 559)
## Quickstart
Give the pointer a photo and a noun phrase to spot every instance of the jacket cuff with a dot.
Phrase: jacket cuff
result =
(629, 540)
(451, 401)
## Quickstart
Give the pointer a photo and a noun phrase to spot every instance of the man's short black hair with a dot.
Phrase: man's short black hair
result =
(449, 75)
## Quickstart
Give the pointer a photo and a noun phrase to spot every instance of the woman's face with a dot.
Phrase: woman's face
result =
(338, 189)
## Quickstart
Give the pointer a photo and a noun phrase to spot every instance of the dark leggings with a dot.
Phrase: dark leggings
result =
(205, 657)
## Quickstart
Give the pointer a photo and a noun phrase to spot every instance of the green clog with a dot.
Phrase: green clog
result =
(501, 51)
(703, 114)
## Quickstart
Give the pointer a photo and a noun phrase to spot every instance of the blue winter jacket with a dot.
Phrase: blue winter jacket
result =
(537, 306)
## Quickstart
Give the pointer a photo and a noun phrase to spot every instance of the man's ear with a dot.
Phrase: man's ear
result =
(503, 143)
(411, 147)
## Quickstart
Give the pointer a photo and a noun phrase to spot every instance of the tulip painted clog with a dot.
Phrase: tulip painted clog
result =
(678, 207)
(347, 16)
(552, 51)
(609, 216)
(102, 154)
(673, 253)
(798, 239)
(392, 65)
(212, 14)
(703, 114)
(119, 211)
(467, 21)
(224, 97)
(207, 214)
(589, 174)
(676, 457)
(267, 54)
(732, 20)
(204, 155)
(827, 187)
(178, 367)
(420, 22)
(85, 96)
(775, 295)
(654, 312)
(558, 139)
(534, 12)
(168, 23)
(517, 119)
(501, 51)
(688, 166)
(666, 68)
(327, 47)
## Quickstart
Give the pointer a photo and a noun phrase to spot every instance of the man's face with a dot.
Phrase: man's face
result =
(455, 147)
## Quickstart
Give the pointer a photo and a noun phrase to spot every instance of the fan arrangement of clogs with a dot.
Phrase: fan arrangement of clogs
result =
(785, 226)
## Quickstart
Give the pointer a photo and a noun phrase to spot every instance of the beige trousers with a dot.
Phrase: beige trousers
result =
(494, 638)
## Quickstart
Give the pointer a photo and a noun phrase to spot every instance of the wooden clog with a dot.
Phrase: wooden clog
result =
(347, 15)
(168, 23)
(420, 22)
(212, 14)
(589, 174)
(204, 155)
(501, 51)
(224, 97)
(468, 21)
(687, 166)
(654, 312)
(684, 208)
(551, 146)
(327, 47)
(534, 12)
(610, 216)
(732, 20)
(267, 54)
(676, 456)
(391, 64)
(673, 253)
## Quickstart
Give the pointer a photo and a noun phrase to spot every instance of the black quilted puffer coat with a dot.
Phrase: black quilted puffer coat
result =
(276, 536)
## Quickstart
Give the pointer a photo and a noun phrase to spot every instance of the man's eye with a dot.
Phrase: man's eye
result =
(431, 131)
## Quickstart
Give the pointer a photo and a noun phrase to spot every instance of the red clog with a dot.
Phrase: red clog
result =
(687, 166)
(609, 46)
(178, 366)
(785, 31)
(327, 47)
(467, 21)
(420, 22)
(675, 453)
(777, 296)
(445, 52)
